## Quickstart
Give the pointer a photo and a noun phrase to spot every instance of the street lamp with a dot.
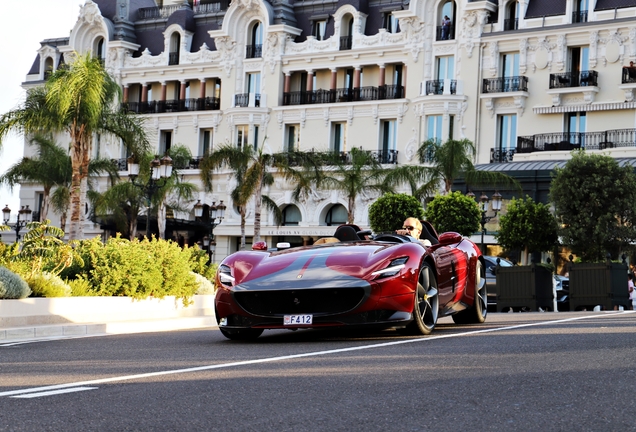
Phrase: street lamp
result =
(160, 170)
(483, 207)
(24, 217)
(215, 212)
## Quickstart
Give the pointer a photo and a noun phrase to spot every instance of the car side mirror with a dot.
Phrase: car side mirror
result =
(450, 238)
(493, 271)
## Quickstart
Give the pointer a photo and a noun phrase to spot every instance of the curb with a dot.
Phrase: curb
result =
(59, 331)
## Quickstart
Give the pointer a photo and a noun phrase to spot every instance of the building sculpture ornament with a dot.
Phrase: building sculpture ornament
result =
(493, 48)
(593, 48)
(413, 30)
(562, 48)
(523, 55)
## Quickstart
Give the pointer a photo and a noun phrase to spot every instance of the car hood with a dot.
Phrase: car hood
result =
(344, 265)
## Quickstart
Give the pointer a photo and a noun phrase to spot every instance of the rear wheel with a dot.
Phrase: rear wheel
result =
(426, 304)
(241, 334)
(477, 313)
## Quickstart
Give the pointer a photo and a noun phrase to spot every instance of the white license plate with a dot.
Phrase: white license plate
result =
(298, 319)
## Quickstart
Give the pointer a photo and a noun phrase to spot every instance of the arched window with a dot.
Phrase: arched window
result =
(446, 29)
(48, 67)
(255, 48)
(512, 16)
(175, 46)
(291, 215)
(346, 32)
(337, 215)
(98, 50)
(579, 12)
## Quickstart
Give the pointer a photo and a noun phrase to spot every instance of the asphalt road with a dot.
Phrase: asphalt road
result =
(519, 371)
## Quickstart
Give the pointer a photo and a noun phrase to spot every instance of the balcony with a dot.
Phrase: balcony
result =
(436, 87)
(505, 84)
(511, 24)
(574, 79)
(175, 105)
(253, 51)
(122, 164)
(499, 155)
(579, 17)
(629, 75)
(205, 7)
(440, 34)
(346, 42)
(157, 12)
(343, 95)
(330, 157)
(245, 100)
(568, 141)
(173, 58)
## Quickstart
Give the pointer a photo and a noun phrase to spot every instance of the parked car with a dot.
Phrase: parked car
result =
(562, 284)
(491, 279)
(390, 280)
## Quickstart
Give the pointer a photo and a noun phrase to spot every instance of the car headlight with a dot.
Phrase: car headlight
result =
(392, 269)
(225, 276)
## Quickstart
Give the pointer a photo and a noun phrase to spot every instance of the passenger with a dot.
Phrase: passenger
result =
(413, 227)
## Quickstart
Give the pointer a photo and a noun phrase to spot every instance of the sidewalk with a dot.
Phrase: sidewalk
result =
(36, 319)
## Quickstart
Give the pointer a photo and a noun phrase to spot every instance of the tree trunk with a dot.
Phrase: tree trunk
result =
(351, 213)
(46, 202)
(161, 220)
(80, 157)
(258, 206)
(63, 221)
(132, 228)
(242, 227)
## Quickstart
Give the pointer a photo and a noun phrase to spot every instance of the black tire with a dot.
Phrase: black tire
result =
(477, 313)
(426, 303)
(241, 334)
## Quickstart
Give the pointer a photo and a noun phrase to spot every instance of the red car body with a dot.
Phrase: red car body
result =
(355, 282)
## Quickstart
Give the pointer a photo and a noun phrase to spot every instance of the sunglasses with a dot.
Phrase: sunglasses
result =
(409, 228)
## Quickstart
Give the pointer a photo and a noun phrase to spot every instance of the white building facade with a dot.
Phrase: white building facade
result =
(526, 81)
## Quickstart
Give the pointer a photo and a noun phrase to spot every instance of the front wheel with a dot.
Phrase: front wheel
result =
(426, 303)
(477, 313)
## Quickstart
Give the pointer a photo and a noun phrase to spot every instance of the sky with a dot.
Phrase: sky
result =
(23, 25)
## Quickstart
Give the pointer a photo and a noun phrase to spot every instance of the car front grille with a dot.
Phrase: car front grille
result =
(306, 301)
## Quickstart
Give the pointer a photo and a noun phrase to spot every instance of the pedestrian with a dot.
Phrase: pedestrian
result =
(632, 293)
(446, 23)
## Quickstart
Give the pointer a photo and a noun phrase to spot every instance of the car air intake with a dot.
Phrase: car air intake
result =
(307, 301)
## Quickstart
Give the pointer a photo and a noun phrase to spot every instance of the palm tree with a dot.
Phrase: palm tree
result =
(50, 168)
(454, 159)
(78, 99)
(354, 174)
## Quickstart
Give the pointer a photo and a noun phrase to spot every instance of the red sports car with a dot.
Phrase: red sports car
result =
(387, 280)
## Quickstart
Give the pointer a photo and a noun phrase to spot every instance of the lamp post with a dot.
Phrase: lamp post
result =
(24, 217)
(216, 212)
(483, 207)
(160, 170)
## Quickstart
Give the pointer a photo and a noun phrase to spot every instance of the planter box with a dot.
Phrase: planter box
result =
(527, 287)
(74, 310)
(598, 284)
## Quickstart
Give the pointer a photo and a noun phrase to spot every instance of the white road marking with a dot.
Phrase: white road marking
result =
(295, 356)
(53, 392)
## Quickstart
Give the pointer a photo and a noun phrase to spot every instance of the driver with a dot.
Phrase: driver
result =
(413, 227)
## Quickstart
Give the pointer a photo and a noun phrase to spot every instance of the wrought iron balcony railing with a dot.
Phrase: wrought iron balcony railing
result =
(498, 155)
(436, 87)
(574, 79)
(442, 34)
(254, 51)
(205, 7)
(504, 84)
(346, 42)
(173, 58)
(157, 12)
(175, 105)
(331, 157)
(579, 17)
(629, 75)
(567, 141)
(243, 99)
(343, 95)
(511, 24)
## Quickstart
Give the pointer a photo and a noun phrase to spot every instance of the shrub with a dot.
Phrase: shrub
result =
(81, 287)
(204, 286)
(47, 284)
(173, 263)
(454, 212)
(389, 211)
(12, 286)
